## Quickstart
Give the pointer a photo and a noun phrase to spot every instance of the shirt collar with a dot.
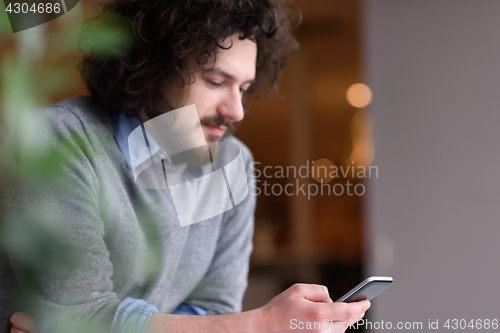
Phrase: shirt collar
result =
(123, 126)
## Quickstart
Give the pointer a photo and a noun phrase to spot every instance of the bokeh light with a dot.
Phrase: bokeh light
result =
(322, 170)
(359, 95)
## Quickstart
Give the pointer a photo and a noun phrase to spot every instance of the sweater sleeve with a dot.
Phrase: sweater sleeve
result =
(222, 289)
(51, 225)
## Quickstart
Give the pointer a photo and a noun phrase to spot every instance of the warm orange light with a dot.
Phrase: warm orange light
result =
(322, 170)
(363, 150)
(359, 95)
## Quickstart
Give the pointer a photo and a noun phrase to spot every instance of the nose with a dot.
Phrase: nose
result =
(231, 107)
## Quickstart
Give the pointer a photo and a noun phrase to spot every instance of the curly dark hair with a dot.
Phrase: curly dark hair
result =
(169, 35)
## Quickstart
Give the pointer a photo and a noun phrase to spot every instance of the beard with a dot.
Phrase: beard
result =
(200, 155)
(212, 139)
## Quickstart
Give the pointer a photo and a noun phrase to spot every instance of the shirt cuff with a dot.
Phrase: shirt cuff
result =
(189, 309)
(132, 315)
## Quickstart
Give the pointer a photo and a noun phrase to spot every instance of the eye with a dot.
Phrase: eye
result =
(243, 90)
(214, 83)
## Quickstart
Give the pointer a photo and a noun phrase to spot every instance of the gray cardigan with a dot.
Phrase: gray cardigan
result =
(110, 239)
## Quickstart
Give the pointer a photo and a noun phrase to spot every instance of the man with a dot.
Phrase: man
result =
(122, 260)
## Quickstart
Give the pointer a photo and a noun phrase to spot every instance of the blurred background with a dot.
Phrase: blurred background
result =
(427, 119)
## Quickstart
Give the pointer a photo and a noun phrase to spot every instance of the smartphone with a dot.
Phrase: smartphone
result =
(367, 289)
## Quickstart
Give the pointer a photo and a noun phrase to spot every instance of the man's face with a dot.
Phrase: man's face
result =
(217, 92)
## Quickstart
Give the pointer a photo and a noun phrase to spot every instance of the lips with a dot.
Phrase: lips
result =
(215, 130)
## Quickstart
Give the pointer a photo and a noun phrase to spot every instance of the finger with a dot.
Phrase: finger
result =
(16, 330)
(23, 322)
(345, 311)
(342, 326)
(359, 317)
(312, 292)
(365, 305)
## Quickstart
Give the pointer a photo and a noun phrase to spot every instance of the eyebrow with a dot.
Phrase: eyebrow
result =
(225, 74)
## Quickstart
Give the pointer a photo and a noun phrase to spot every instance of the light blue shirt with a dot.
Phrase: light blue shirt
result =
(132, 314)
(123, 126)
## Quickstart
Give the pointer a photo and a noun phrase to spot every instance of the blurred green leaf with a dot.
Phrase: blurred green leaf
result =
(5, 28)
(106, 35)
(35, 240)
(18, 95)
(33, 233)
(60, 79)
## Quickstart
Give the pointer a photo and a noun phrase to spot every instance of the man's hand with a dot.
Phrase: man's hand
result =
(22, 323)
(308, 303)
(302, 302)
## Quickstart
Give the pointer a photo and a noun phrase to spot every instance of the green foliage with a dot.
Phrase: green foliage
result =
(106, 36)
(4, 22)
(32, 71)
